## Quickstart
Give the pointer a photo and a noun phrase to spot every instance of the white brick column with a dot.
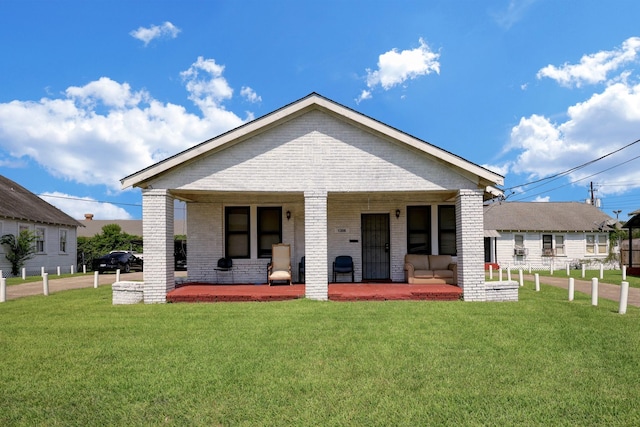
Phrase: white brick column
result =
(470, 242)
(315, 237)
(157, 230)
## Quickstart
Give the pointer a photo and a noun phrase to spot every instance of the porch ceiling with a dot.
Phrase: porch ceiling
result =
(203, 196)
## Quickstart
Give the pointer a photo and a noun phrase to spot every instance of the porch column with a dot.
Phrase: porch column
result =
(315, 241)
(157, 231)
(470, 242)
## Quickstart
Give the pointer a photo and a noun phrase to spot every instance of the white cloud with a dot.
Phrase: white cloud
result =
(250, 95)
(605, 122)
(499, 169)
(395, 68)
(541, 199)
(595, 67)
(76, 207)
(146, 35)
(102, 131)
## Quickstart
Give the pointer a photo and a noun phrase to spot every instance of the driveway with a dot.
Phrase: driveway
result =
(76, 282)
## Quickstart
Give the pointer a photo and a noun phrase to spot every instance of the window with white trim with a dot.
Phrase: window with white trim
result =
(560, 245)
(237, 232)
(40, 243)
(596, 244)
(63, 240)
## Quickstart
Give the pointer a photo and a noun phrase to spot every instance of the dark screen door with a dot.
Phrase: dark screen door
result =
(375, 247)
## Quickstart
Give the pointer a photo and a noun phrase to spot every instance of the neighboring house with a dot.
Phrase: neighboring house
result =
(56, 231)
(328, 181)
(539, 234)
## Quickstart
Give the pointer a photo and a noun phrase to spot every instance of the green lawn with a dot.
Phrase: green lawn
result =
(74, 359)
(609, 276)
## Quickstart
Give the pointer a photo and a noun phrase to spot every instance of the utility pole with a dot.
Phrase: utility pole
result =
(617, 212)
(592, 192)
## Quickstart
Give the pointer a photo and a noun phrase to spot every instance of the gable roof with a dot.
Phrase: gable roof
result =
(313, 101)
(545, 216)
(20, 204)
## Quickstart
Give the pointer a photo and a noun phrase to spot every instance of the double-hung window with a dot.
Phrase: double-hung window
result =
(269, 229)
(237, 232)
(40, 240)
(63, 240)
(447, 230)
(418, 229)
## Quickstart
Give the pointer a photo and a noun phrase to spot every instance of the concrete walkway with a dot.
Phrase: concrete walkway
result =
(605, 290)
(76, 282)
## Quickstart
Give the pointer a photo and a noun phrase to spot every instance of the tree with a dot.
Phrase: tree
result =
(112, 238)
(19, 249)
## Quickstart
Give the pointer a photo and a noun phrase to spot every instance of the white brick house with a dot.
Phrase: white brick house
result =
(325, 179)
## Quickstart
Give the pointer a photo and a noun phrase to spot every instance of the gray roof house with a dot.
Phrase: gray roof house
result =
(325, 179)
(541, 233)
(56, 243)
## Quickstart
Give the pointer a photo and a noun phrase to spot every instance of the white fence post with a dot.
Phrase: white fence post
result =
(537, 276)
(490, 272)
(509, 273)
(572, 288)
(95, 279)
(601, 271)
(58, 270)
(45, 284)
(624, 272)
(584, 267)
(24, 273)
(594, 291)
(624, 297)
(3, 288)
(521, 277)
(500, 275)
(117, 275)
(73, 269)
(84, 268)
(42, 271)
(568, 273)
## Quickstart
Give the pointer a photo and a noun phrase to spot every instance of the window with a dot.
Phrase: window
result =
(518, 246)
(447, 230)
(40, 239)
(269, 229)
(547, 245)
(63, 240)
(418, 229)
(560, 245)
(237, 232)
(596, 244)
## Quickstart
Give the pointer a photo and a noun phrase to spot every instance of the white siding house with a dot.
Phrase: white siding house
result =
(542, 235)
(325, 179)
(56, 243)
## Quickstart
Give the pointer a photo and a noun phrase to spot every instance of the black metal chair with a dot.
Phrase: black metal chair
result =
(224, 264)
(343, 264)
(301, 270)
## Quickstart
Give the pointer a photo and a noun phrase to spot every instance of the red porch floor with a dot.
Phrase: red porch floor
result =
(337, 292)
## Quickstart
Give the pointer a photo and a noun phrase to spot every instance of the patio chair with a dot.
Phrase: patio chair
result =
(224, 264)
(343, 264)
(279, 269)
(301, 270)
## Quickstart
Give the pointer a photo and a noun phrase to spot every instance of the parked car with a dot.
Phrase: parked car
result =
(123, 260)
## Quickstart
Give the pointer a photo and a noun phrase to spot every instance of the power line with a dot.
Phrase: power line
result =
(90, 201)
(573, 169)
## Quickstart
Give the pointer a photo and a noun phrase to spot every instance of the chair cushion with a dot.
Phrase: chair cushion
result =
(439, 262)
(445, 274)
(419, 262)
(423, 273)
(280, 275)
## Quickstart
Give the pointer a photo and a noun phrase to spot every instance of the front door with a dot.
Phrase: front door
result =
(375, 247)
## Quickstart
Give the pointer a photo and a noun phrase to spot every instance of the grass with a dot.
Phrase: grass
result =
(613, 277)
(74, 359)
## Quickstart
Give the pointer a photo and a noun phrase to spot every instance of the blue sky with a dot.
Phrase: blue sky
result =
(93, 91)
